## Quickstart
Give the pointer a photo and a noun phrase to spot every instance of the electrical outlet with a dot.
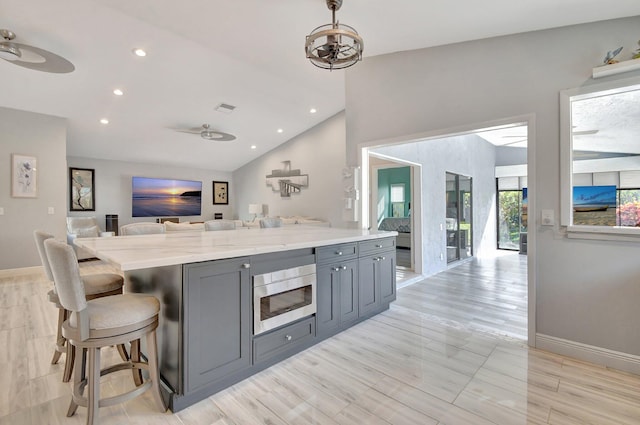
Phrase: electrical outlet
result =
(441, 256)
(51, 211)
(1, 210)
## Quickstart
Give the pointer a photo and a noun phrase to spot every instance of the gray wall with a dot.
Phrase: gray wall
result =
(113, 188)
(44, 137)
(318, 152)
(587, 291)
(466, 155)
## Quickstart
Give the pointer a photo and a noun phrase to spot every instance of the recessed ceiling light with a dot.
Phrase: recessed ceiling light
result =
(104, 121)
(280, 130)
(118, 92)
(254, 147)
(139, 52)
(313, 110)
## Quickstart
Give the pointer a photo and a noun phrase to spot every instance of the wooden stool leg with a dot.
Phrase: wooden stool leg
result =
(68, 363)
(123, 352)
(135, 358)
(93, 384)
(60, 340)
(154, 375)
(78, 387)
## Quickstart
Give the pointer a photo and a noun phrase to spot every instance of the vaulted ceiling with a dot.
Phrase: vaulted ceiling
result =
(246, 53)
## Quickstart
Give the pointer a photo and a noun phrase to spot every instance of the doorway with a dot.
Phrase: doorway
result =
(476, 193)
(396, 211)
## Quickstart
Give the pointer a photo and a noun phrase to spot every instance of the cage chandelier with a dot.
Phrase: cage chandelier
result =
(334, 45)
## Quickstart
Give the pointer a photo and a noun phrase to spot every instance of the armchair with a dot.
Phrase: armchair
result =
(83, 227)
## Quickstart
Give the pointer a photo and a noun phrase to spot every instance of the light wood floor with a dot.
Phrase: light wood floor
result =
(405, 366)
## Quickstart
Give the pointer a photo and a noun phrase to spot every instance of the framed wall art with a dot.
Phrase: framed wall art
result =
(220, 193)
(81, 189)
(24, 176)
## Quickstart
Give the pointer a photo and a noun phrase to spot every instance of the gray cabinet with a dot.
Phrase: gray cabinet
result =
(337, 287)
(376, 276)
(217, 325)
(337, 295)
(285, 341)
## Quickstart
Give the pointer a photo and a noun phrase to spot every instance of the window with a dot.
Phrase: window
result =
(397, 193)
(600, 157)
(397, 200)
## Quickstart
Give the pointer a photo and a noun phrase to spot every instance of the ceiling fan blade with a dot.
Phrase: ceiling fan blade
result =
(43, 60)
(323, 53)
(187, 130)
(584, 133)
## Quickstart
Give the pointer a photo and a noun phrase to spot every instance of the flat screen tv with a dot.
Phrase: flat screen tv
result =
(153, 197)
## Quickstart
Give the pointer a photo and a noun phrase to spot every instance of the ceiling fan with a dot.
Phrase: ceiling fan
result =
(207, 133)
(31, 57)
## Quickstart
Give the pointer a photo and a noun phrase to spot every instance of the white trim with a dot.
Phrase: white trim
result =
(24, 271)
(532, 236)
(566, 140)
(616, 68)
(416, 201)
(604, 232)
(590, 353)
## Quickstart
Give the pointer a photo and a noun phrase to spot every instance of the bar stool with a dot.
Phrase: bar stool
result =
(93, 324)
(95, 286)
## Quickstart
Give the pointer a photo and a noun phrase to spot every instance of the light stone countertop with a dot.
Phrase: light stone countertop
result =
(145, 251)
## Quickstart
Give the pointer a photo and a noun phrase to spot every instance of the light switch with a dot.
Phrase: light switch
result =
(1, 210)
(51, 211)
(547, 218)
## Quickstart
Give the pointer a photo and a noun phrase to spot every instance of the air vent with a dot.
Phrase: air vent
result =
(225, 108)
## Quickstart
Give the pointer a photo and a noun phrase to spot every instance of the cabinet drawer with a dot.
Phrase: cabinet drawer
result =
(377, 245)
(327, 254)
(283, 342)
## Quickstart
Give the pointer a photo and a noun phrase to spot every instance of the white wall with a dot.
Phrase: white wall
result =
(44, 137)
(318, 152)
(113, 188)
(467, 155)
(587, 291)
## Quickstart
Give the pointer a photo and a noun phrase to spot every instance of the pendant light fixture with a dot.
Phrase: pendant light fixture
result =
(335, 45)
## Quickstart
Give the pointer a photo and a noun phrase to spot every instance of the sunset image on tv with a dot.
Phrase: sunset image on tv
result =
(153, 197)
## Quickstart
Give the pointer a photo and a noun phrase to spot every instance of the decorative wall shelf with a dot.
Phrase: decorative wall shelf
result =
(616, 68)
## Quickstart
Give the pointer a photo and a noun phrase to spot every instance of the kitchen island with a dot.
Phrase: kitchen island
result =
(210, 334)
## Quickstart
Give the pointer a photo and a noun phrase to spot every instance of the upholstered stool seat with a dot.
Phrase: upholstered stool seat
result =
(118, 311)
(101, 322)
(95, 286)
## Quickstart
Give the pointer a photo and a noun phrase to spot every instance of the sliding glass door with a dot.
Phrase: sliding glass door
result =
(459, 205)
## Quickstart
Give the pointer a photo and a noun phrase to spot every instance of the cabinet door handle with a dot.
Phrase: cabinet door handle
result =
(378, 246)
(338, 252)
(336, 269)
(381, 258)
(344, 267)
(246, 266)
(288, 337)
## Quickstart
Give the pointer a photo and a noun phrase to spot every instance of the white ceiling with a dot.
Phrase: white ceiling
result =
(248, 53)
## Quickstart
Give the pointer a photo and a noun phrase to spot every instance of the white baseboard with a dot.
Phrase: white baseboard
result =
(21, 271)
(601, 356)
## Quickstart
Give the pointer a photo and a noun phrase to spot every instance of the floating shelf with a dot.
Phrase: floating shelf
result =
(616, 68)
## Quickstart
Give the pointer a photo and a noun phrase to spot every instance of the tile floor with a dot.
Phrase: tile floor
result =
(405, 366)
